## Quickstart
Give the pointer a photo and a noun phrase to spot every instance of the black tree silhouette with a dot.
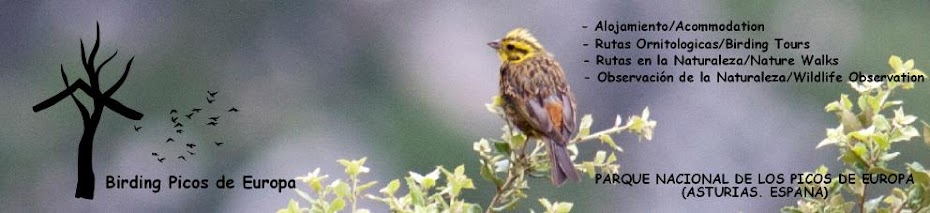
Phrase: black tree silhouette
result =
(85, 183)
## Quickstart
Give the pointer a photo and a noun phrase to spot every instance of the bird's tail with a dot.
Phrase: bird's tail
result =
(561, 166)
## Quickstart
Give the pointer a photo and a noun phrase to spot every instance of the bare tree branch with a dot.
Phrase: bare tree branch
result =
(85, 115)
(105, 63)
(79, 84)
(117, 107)
(119, 82)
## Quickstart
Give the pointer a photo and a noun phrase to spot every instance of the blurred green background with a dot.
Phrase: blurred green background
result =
(405, 85)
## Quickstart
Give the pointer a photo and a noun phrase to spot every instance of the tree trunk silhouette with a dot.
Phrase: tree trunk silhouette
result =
(85, 184)
(101, 99)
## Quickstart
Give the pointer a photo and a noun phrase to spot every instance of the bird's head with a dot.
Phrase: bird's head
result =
(516, 46)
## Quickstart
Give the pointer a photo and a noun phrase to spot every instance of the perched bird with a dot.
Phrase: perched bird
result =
(161, 160)
(189, 115)
(212, 123)
(537, 98)
(233, 110)
(215, 118)
(189, 152)
(137, 128)
(169, 140)
(154, 154)
(210, 101)
(174, 119)
(212, 93)
(195, 110)
(217, 143)
(179, 131)
(173, 111)
(176, 125)
(190, 145)
(182, 158)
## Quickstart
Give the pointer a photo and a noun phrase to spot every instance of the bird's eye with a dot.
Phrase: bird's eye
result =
(510, 47)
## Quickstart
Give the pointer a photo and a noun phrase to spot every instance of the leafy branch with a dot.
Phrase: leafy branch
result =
(440, 190)
(864, 137)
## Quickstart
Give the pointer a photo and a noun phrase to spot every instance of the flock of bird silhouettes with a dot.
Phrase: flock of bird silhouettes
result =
(178, 126)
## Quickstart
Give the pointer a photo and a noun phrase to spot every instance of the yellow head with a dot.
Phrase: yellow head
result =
(516, 46)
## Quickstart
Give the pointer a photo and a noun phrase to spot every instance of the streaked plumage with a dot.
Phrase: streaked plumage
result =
(537, 98)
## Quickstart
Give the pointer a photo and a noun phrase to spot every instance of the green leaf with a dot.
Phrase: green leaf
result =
(337, 205)
(880, 122)
(365, 186)
(391, 187)
(585, 126)
(605, 138)
(502, 147)
(926, 132)
(600, 157)
(833, 107)
(845, 102)
(889, 156)
(342, 189)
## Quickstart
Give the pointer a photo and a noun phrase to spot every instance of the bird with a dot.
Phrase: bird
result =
(179, 131)
(217, 143)
(176, 125)
(214, 118)
(173, 111)
(536, 98)
(169, 140)
(233, 110)
(210, 101)
(212, 123)
(174, 119)
(182, 158)
(195, 110)
(137, 128)
(154, 154)
(161, 160)
(189, 115)
(189, 152)
(190, 145)
(212, 93)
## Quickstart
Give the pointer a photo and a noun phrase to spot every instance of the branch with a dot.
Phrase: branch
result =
(105, 63)
(84, 114)
(597, 135)
(117, 107)
(119, 82)
(79, 84)
(89, 61)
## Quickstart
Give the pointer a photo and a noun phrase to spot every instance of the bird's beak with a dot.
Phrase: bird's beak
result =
(494, 44)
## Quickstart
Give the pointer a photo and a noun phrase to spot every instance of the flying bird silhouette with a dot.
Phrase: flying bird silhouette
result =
(137, 128)
(189, 115)
(182, 158)
(190, 145)
(196, 110)
(174, 119)
(161, 160)
(233, 110)
(217, 143)
(173, 111)
(212, 93)
(190, 152)
(214, 118)
(210, 101)
(212, 123)
(178, 125)
(179, 131)
(169, 140)
(154, 154)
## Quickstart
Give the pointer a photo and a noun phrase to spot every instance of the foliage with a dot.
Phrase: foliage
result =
(440, 189)
(864, 137)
